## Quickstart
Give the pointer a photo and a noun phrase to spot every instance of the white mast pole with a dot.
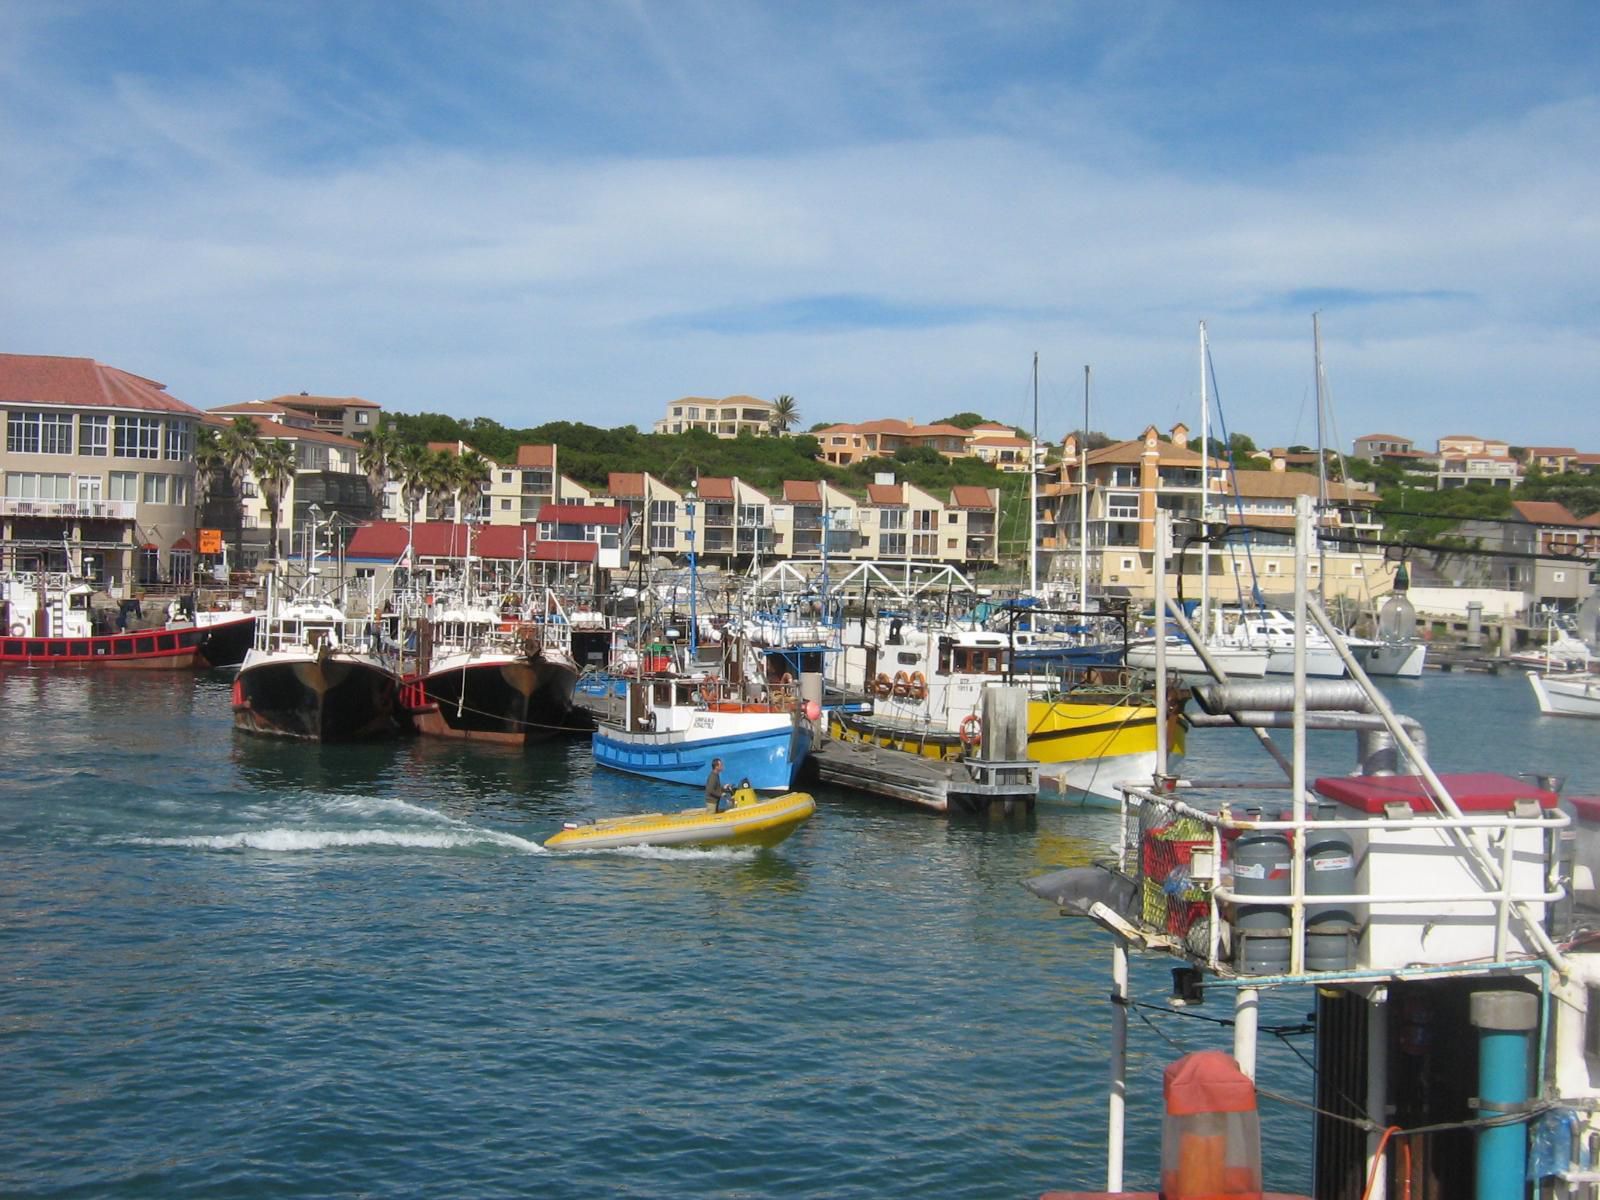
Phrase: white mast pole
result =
(1083, 501)
(1205, 493)
(1033, 488)
(1322, 472)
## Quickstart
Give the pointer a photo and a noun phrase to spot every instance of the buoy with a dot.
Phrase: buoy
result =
(902, 684)
(882, 686)
(971, 730)
(1211, 1134)
(918, 686)
(813, 710)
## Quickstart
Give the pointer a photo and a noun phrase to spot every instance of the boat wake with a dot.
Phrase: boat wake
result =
(417, 828)
(669, 853)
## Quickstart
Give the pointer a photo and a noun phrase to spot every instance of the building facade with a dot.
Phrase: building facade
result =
(725, 418)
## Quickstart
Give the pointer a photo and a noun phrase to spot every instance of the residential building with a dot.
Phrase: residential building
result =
(1128, 482)
(726, 418)
(328, 485)
(1377, 447)
(1544, 552)
(1000, 446)
(842, 445)
(98, 468)
(348, 416)
(734, 521)
(519, 490)
(812, 515)
(1464, 459)
(1552, 460)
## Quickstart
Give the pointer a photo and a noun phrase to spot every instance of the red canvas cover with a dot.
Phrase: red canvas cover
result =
(1207, 1081)
(1475, 792)
(1586, 808)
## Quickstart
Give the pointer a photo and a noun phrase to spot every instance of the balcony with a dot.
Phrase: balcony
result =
(114, 510)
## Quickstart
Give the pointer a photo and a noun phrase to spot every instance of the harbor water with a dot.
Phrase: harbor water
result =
(237, 967)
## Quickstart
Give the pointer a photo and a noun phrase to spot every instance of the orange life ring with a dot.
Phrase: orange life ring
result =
(902, 684)
(971, 730)
(918, 687)
(881, 686)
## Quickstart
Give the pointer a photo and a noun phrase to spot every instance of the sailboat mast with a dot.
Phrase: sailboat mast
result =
(1033, 488)
(1083, 501)
(1205, 492)
(1322, 467)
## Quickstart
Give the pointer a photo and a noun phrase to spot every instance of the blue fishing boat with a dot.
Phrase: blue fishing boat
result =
(674, 726)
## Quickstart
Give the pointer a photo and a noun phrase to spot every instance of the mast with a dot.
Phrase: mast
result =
(1205, 493)
(1033, 488)
(1322, 468)
(1083, 501)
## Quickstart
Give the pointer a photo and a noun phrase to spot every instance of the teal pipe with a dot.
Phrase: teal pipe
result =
(1504, 1021)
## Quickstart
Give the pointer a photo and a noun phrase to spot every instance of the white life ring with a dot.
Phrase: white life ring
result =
(18, 629)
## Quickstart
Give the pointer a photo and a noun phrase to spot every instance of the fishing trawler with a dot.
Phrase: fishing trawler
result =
(1429, 916)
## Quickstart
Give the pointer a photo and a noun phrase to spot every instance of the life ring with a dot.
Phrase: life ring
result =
(882, 686)
(902, 685)
(918, 687)
(971, 730)
(18, 629)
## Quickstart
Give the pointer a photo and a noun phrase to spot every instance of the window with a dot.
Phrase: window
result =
(137, 437)
(505, 477)
(892, 544)
(924, 518)
(1558, 576)
(505, 506)
(124, 485)
(1127, 564)
(693, 413)
(1122, 506)
(892, 518)
(1272, 566)
(752, 514)
(94, 435)
(950, 543)
(155, 488)
(31, 485)
(363, 418)
(179, 439)
(663, 537)
(663, 512)
(55, 433)
(22, 432)
(952, 518)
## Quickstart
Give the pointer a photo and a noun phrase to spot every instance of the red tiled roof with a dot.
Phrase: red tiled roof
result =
(628, 484)
(386, 540)
(81, 383)
(301, 400)
(252, 408)
(270, 429)
(1388, 437)
(566, 552)
(536, 456)
(968, 495)
(1549, 512)
(885, 493)
(583, 514)
(802, 491)
(716, 487)
(1564, 451)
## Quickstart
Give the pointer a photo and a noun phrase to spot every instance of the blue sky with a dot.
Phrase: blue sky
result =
(586, 210)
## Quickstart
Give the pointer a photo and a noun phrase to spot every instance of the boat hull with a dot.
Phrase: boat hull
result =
(226, 639)
(762, 823)
(768, 757)
(326, 698)
(142, 650)
(1566, 695)
(1400, 660)
(1239, 664)
(506, 700)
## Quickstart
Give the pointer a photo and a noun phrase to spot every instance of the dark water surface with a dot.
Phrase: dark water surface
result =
(232, 967)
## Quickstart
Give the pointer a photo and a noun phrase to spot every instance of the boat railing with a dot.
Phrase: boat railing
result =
(1239, 892)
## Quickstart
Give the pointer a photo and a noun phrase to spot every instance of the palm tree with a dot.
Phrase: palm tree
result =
(377, 458)
(208, 464)
(439, 476)
(472, 473)
(238, 444)
(274, 471)
(785, 412)
(410, 464)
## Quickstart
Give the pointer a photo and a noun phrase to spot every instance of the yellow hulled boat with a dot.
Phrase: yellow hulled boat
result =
(752, 821)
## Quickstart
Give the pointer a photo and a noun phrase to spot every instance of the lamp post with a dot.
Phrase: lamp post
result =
(694, 581)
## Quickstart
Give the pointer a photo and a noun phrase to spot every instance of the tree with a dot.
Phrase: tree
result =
(274, 471)
(208, 465)
(377, 458)
(785, 413)
(439, 478)
(472, 473)
(410, 466)
(238, 444)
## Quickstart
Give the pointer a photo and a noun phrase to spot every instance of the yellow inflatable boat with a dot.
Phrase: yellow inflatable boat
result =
(751, 821)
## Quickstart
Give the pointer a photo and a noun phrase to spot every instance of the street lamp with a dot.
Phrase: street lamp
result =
(689, 500)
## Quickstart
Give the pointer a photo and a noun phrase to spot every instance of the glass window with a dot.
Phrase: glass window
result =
(1122, 506)
(124, 485)
(137, 437)
(22, 432)
(663, 512)
(180, 438)
(94, 435)
(55, 433)
(155, 489)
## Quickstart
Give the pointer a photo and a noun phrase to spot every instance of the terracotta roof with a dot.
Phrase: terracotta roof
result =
(802, 491)
(536, 456)
(898, 428)
(1270, 484)
(885, 493)
(715, 487)
(968, 495)
(1563, 451)
(386, 541)
(81, 383)
(583, 514)
(1388, 437)
(301, 400)
(252, 407)
(1168, 454)
(1008, 439)
(629, 484)
(724, 400)
(271, 430)
(1551, 512)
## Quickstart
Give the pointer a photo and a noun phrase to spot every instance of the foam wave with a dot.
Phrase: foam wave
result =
(296, 841)
(676, 853)
(387, 806)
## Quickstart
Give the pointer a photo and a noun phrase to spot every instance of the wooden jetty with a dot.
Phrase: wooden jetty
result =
(1000, 776)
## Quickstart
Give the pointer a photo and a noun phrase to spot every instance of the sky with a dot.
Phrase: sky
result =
(584, 211)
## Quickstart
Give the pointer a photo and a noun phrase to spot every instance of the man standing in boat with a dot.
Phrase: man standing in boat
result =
(714, 786)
